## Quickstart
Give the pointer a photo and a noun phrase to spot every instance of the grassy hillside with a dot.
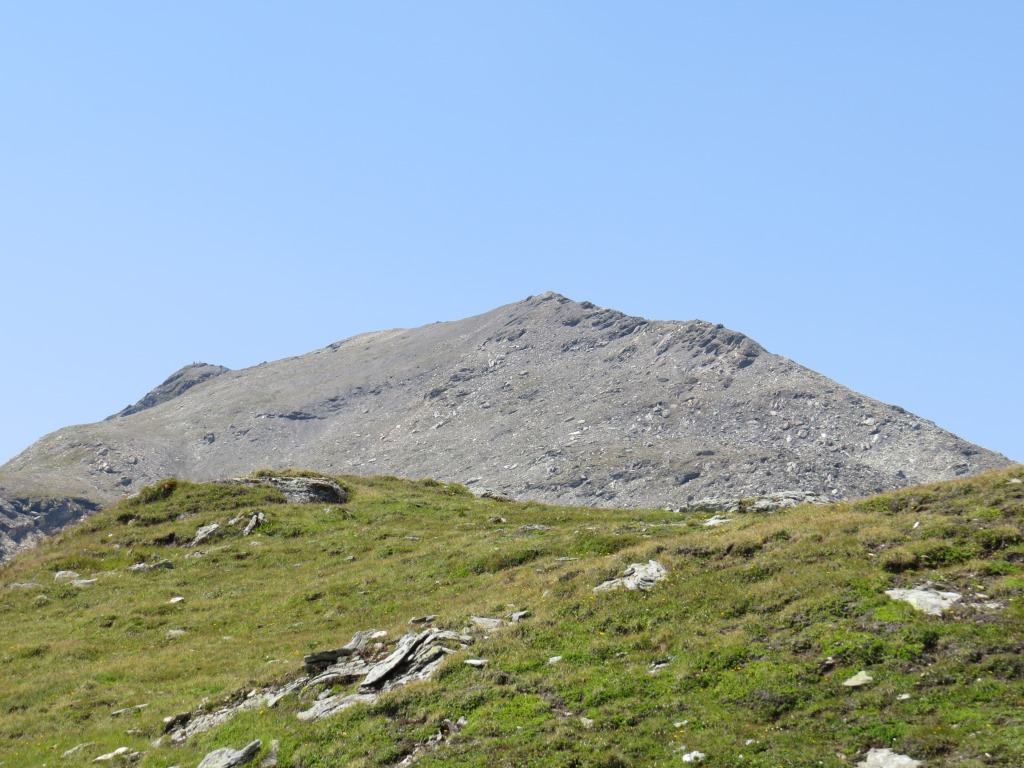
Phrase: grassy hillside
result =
(741, 654)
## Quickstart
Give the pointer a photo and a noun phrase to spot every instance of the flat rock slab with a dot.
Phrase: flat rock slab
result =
(226, 757)
(928, 601)
(334, 704)
(637, 576)
(886, 758)
(486, 623)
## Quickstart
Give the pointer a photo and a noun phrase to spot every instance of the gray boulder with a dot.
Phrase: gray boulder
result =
(637, 576)
(226, 757)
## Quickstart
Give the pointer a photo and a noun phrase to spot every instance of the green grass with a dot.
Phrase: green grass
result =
(758, 625)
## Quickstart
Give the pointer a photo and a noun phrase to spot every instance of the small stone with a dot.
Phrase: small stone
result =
(66, 576)
(861, 678)
(83, 582)
(1015, 481)
(173, 633)
(111, 755)
(554, 659)
(587, 722)
(515, 618)
(204, 533)
(423, 619)
(177, 599)
(716, 521)
(256, 520)
(534, 527)
(270, 761)
(126, 710)
(478, 663)
(694, 757)
(903, 697)
(79, 748)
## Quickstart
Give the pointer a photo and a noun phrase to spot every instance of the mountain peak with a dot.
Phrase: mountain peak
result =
(546, 399)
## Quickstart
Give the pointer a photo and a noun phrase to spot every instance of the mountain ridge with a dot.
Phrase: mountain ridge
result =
(546, 399)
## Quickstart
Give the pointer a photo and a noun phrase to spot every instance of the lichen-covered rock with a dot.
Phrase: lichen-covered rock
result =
(637, 576)
(299, 490)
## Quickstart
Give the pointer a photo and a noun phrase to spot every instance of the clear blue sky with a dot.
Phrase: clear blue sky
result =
(234, 182)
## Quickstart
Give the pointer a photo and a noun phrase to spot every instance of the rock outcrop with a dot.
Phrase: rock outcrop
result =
(176, 384)
(24, 521)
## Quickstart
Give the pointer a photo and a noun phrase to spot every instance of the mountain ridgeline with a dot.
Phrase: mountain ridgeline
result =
(545, 399)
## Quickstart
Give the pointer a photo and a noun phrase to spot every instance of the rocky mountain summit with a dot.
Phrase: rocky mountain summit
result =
(546, 399)
(176, 384)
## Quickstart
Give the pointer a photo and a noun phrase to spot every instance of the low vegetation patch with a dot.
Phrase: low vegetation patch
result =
(740, 654)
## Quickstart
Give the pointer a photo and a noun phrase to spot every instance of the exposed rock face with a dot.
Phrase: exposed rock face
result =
(23, 521)
(546, 399)
(176, 384)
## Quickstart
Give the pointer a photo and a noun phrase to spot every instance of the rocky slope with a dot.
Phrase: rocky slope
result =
(545, 399)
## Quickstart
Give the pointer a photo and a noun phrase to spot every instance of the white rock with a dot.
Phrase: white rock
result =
(886, 758)
(716, 520)
(637, 576)
(65, 576)
(554, 659)
(694, 757)
(476, 662)
(79, 748)
(111, 755)
(178, 599)
(928, 601)
(861, 678)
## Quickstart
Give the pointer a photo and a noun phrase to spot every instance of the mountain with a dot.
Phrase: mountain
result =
(545, 399)
(412, 623)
